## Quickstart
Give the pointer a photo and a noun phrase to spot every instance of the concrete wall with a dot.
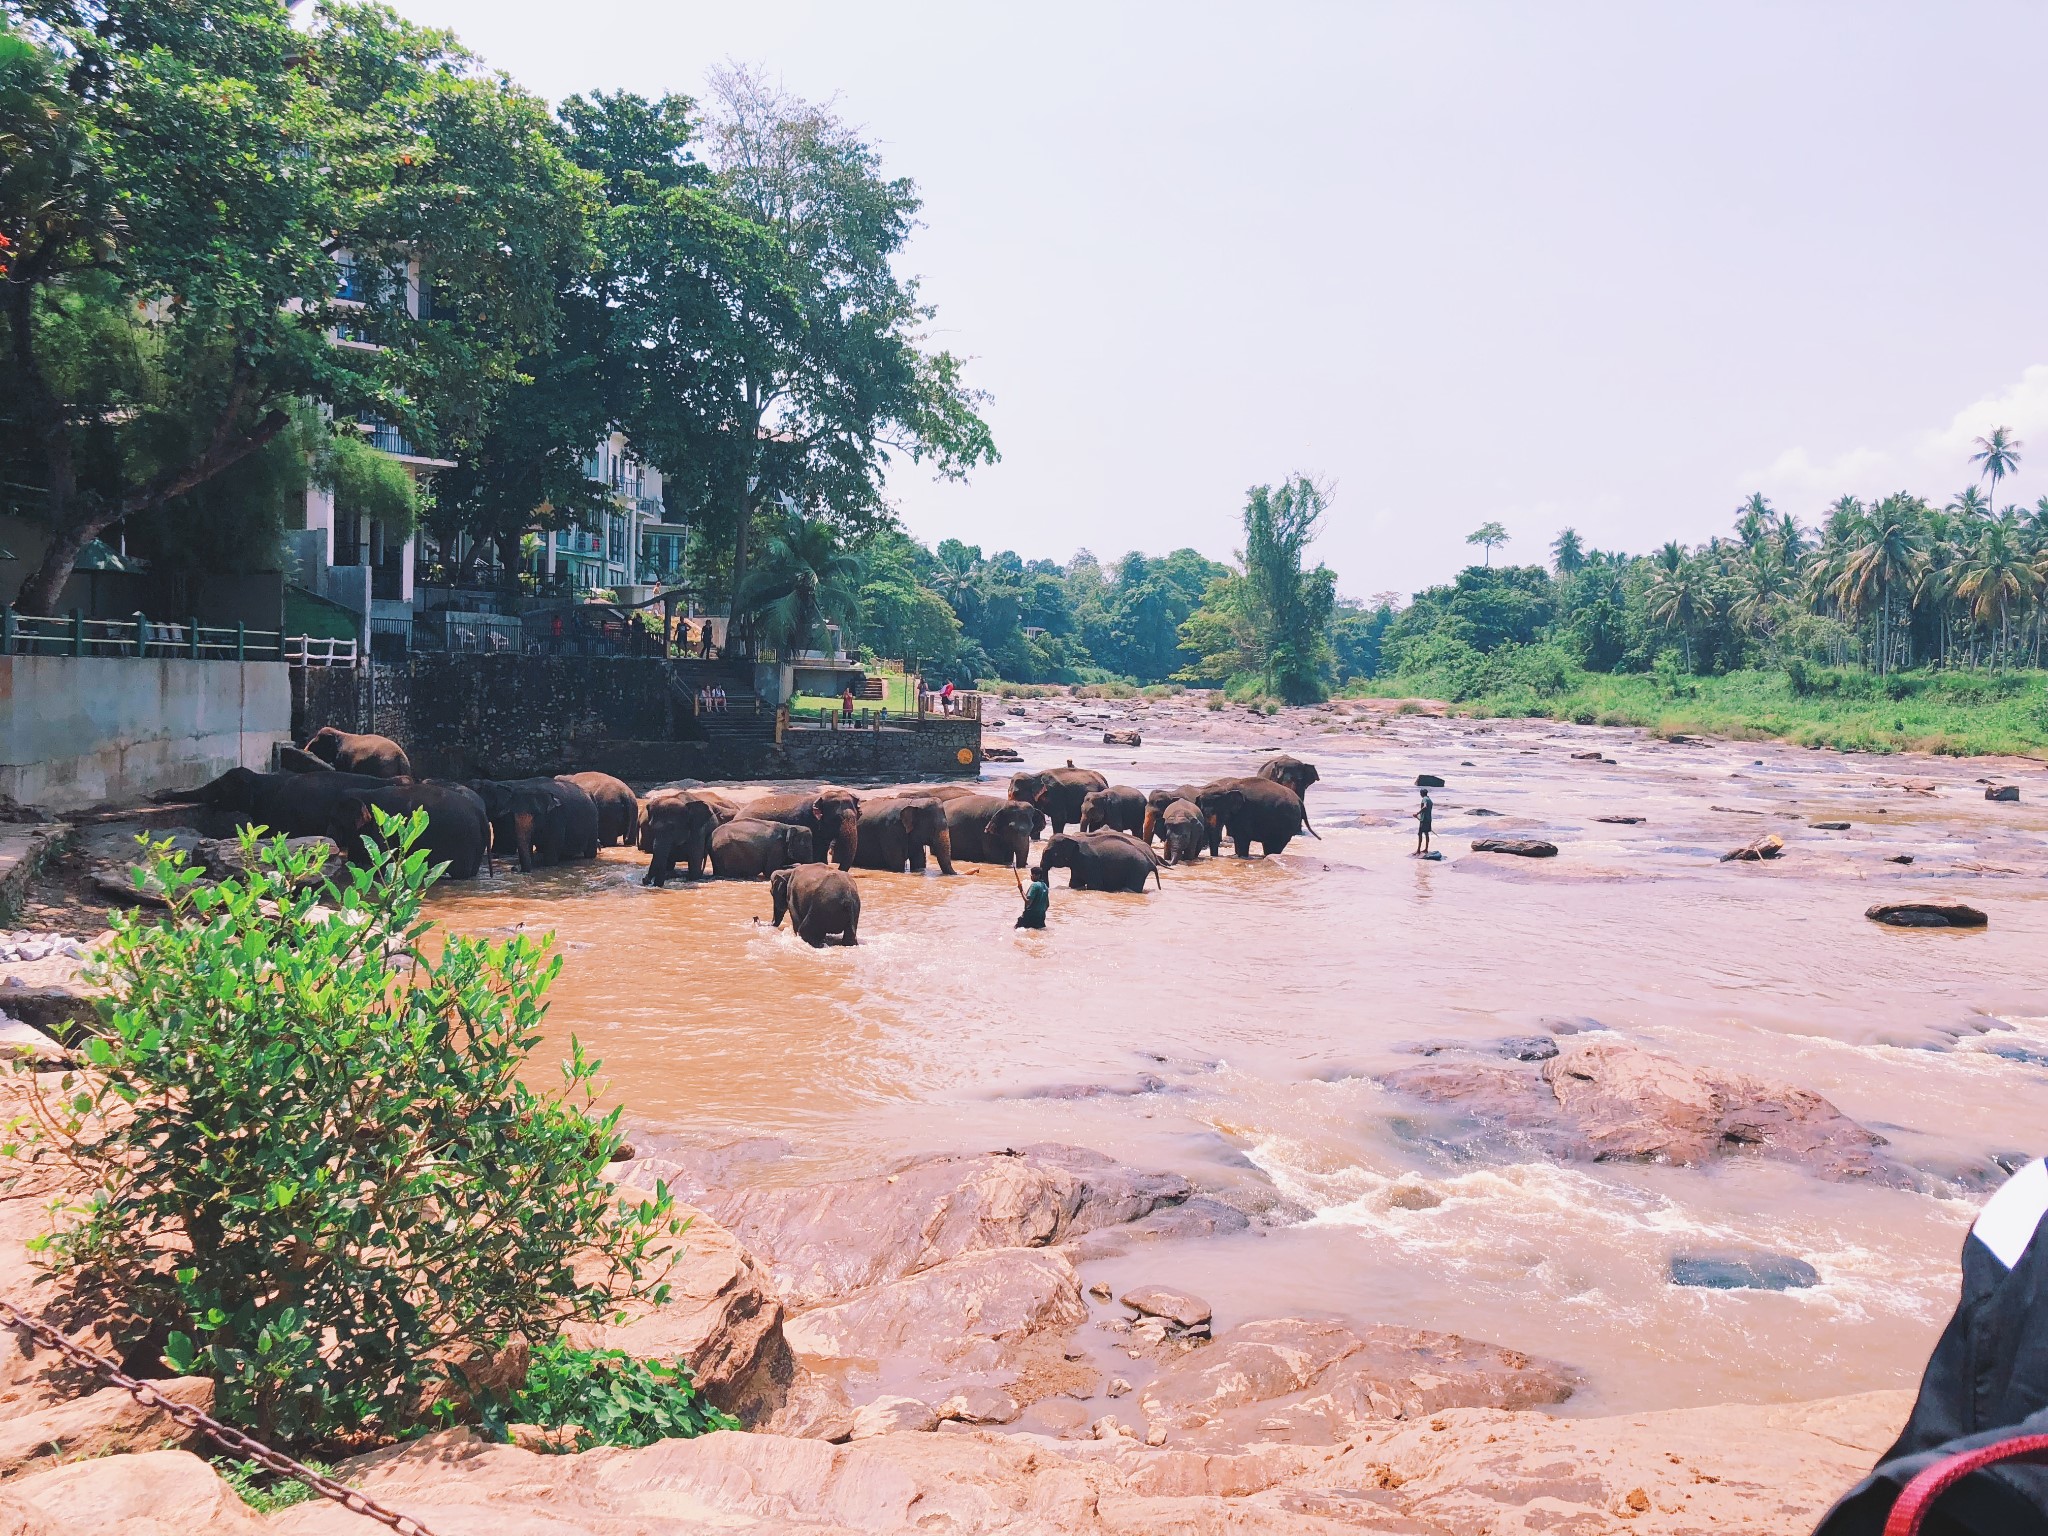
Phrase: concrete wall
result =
(78, 730)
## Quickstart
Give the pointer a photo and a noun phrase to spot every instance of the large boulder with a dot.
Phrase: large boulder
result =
(1316, 1380)
(825, 1242)
(722, 1315)
(1519, 847)
(99, 1424)
(157, 1493)
(1601, 1099)
(1927, 914)
(996, 1317)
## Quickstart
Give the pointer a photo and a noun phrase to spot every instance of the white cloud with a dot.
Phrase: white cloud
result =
(1933, 462)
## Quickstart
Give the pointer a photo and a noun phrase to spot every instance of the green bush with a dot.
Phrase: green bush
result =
(612, 1398)
(318, 1110)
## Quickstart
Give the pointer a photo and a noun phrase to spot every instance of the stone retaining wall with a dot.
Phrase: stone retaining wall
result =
(508, 716)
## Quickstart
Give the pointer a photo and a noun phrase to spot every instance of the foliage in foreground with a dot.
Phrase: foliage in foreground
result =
(612, 1398)
(316, 1175)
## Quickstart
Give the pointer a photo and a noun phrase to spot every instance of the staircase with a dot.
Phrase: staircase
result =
(747, 720)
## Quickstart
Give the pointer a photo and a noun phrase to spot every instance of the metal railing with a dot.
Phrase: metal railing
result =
(321, 651)
(26, 634)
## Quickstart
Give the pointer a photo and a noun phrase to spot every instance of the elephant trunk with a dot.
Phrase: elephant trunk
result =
(942, 849)
(522, 836)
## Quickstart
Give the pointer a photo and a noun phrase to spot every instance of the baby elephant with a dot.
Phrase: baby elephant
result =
(1182, 831)
(1099, 861)
(750, 850)
(820, 901)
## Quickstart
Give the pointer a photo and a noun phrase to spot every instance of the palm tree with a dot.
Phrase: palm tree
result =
(1761, 584)
(1568, 553)
(1994, 577)
(1886, 563)
(1969, 504)
(1753, 520)
(1681, 598)
(803, 580)
(1791, 539)
(1999, 454)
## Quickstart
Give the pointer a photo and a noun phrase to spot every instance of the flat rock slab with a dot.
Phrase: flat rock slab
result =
(825, 1242)
(1314, 1381)
(1927, 914)
(1743, 1270)
(1605, 1100)
(2009, 793)
(1520, 847)
(1621, 821)
(1122, 739)
(1830, 826)
(1180, 1308)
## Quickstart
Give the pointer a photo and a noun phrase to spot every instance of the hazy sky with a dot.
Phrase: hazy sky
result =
(1612, 265)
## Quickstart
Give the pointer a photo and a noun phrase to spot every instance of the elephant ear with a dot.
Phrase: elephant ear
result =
(908, 816)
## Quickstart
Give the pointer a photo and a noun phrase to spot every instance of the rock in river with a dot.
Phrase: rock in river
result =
(1122, 739)
(1926, 914)
(1177, 1307)
(1769, 846)
(1743, 1270)
(1520, 847)
(1602, 1100)
(824, 1242)
(1428, 781)
(2010, 793)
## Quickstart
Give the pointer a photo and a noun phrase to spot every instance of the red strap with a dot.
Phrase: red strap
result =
(1919, 1495)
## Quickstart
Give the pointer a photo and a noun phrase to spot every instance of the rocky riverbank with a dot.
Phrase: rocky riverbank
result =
(917, 1352)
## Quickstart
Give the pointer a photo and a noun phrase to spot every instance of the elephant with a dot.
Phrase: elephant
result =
(819, 901)
(1297, 776)
(378, 756)
(1183, 831)
(1099, 861)
(1120, 808)
(618, 808)
(1157, 802)
(677, 824)
(897, 832)
(291, 759)
(548, 821)
(1057, 791)
(1251, 810)
(833, 815)
(294, 804)
(983, 829)
(752, 850)
(458, 831)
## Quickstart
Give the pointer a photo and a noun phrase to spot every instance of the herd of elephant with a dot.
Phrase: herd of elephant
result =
(333, 786)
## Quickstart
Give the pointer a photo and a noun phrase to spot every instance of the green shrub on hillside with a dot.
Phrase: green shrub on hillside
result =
(316, 1174)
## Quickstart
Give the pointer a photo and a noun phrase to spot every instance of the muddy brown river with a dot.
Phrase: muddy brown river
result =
(1228, 1027)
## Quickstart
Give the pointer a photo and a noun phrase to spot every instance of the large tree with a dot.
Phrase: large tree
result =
(780, 359)
(1269, 625)
(181, 176)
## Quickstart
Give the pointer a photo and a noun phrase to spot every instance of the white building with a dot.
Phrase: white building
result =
(633, 550)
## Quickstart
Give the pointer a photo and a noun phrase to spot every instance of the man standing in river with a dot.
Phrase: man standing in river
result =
(1425, 814)
(1037, 898)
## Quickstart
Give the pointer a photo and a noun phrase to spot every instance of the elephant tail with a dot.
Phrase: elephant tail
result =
(1311, 831)
(1158, 879)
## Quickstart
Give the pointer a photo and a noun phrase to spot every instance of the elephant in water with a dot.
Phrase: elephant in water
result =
(294, 804)
(1252, 811)
(1183, 832)
(1099, 861)
(985, 830)
(750, 850)
(1297, 776)
(458, 832)
(833, 815)
(1157, 802)
(1057, 791)
(378, 756)
(1120, 808)
(819, 901)
(677, 824)
(897, 832)
(541, 820)
(618, 808)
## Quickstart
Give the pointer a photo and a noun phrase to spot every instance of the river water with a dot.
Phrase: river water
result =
(1226, 1027)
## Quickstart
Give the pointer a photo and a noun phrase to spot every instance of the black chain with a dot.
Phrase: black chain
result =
(233, 1439)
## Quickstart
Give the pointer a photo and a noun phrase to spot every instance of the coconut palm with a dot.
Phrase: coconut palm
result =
(1682, 598)
(1760, 585)
(1884, 567)
(1568, 553)
(1970, 504)
(1753, 520)
(802, 580)
(1995, 579)
(1999, 453)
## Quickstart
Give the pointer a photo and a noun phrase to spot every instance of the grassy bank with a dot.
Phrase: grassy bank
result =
(1961, 714)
